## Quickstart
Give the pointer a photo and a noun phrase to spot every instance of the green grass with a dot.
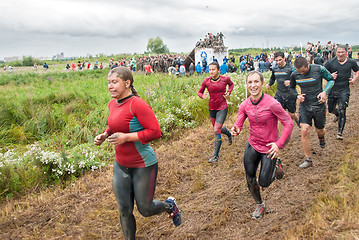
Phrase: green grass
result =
(60, 111)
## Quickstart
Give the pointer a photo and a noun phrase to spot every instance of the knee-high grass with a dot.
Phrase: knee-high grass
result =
(64, 110)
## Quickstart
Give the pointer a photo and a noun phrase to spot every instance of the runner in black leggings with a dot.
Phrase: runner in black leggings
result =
(132, 125)
(263, 113)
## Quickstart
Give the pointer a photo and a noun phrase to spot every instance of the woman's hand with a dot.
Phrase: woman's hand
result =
(273, 151)
(235, 131)
(99, 139)
(117, 138)
(226, 95)
(205, 95)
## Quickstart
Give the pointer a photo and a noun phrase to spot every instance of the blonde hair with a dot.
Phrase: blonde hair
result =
(255, 72)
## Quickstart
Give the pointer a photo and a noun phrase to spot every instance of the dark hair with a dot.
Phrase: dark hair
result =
(215, 64)
(255, 72)
(342, 46)
(300, 62)
(125, 74)
(279, 54)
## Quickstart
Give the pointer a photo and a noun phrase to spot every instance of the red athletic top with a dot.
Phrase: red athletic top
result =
(134, 115)
(216, 91)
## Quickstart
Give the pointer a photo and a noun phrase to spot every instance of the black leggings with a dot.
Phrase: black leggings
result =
(136, 183)
(266, 176)
(342, 100)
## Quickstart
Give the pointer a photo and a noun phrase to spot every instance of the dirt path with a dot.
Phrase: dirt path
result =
(213, 198)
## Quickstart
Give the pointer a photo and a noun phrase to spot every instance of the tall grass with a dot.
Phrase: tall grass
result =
(61, 111)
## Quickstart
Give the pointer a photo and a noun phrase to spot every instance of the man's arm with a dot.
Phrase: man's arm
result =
(328, 76)
(355, 68)
(292, 86)
(356, 76)
(271, 81)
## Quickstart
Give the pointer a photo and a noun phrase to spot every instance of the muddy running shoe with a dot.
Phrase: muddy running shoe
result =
(213, 159)
(322, 142)
(279, 172)
(340, 136)
(335, 118)
(307, 163)
(230, 140)
(175, 213)
(259, 212)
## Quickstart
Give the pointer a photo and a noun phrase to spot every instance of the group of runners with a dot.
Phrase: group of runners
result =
(132, 125)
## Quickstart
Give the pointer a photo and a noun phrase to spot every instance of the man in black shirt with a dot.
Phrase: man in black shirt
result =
(281, 73)
(341, 69)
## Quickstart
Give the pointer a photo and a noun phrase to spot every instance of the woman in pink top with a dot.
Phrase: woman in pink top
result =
(218, 108)
(263, 112)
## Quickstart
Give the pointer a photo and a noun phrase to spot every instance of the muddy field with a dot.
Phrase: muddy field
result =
(214, 199)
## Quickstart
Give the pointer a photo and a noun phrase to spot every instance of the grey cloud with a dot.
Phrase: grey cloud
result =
(88, 23)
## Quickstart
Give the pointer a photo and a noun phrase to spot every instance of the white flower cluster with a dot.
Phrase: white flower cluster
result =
(77, 160)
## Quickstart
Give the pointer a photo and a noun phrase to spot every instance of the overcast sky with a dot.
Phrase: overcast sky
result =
(43, 28)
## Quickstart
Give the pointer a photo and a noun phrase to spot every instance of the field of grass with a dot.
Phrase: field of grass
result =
(49, 119)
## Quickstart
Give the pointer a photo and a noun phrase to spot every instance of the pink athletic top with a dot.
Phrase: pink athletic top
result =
(216, 91)
(263, 120)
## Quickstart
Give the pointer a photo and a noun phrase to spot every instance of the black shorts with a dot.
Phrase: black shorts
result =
(287, 103)
(341, 98)
(219, 115)
(309, 113)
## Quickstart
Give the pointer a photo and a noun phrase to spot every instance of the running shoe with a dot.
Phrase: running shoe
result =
(322, 142)
(307, 163)
(175, 213)
(340, 136)
(279, 172)
(213, 159)
(230, 140)
(335, 118)
(259, 211)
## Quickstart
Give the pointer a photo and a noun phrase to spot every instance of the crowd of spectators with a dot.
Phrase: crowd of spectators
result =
(173, 64)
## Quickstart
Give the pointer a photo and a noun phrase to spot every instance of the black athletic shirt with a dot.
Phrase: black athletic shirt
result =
(311, 84)
(344, 72)
(281, 75)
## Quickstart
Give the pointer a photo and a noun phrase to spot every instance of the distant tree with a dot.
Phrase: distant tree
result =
(16, 63)
(156, 45)
(28, 61)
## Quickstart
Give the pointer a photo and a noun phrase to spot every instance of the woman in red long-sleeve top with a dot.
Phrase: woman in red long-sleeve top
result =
(218, 108)
(131, 126)
(263, 113)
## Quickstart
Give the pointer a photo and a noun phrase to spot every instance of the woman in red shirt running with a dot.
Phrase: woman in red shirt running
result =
(131, 126)
(263, 113)
(218, 108)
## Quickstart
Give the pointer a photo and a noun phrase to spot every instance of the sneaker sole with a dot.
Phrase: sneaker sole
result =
(311, 165)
